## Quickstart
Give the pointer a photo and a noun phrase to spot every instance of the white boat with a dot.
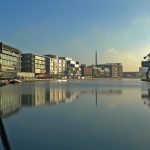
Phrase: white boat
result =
(13, 81)
(2, 83)
(16, 80)
(62, 80)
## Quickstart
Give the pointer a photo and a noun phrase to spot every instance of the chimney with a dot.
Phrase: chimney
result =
(96, 58)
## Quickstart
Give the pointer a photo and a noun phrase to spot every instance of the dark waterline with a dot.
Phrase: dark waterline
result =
(77, 115)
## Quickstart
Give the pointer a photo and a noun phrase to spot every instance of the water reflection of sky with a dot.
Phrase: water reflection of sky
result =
(105, 114)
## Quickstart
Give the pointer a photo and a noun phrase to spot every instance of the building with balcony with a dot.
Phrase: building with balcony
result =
(34, 63)
(73, 69)
(10, 61)
(52, 65)
(62, 65)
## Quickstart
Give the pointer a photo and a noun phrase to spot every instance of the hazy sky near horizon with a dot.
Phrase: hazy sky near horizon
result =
(119, 30)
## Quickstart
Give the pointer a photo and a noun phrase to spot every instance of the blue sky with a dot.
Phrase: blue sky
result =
(119, 30)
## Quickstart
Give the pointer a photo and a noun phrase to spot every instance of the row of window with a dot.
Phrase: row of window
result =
(39, 71)
(40, 58)
(10, 53)
(8, 74)
(8, 63)
(39, 66)
(40, 62)
(7, 57)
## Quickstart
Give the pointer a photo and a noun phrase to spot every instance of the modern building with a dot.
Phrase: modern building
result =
(56, 66)
(52, 65)
(73, 69)
(34, 63)
(10, 61)
(62, 66)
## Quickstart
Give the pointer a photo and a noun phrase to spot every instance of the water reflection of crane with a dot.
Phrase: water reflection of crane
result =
(146, 97)
(147, 64)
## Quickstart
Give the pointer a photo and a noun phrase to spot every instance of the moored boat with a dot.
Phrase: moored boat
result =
(2, 83)
(16, 80)
(62, 80)
(13, 81)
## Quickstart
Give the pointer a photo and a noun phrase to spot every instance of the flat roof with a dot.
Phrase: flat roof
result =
(15, 49)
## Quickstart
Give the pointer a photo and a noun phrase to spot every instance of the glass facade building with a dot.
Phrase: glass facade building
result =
(34, 63)
(10, 61)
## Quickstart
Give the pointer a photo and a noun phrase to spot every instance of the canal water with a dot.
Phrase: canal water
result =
(106, 114)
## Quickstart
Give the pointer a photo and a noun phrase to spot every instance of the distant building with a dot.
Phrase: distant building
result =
(113, 70)
(86, 71)
(94, 72)
(10, 61)
(101, 71)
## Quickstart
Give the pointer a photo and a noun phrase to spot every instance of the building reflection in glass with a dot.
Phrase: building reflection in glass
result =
(146, 96)
(10, 102)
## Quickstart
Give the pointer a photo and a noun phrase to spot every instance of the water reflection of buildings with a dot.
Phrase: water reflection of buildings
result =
(42, 95)
(35, 96)
(13, 97)
(32, 96)
(57, 95)
(146, 97)
(97, 92)
(103, 91)
(9, 100)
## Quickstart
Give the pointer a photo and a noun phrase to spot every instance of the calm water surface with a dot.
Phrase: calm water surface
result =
(77, 115)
